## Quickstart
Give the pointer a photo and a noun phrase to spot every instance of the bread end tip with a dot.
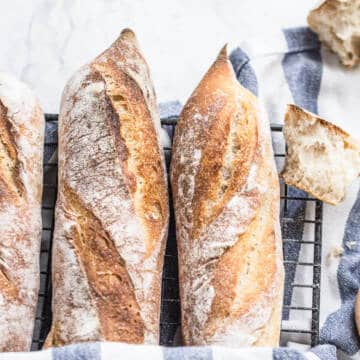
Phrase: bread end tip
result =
(223, 54)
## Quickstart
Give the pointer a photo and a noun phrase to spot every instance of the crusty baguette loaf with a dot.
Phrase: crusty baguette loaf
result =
(226, 200)
(21, 153)
(337, 23)
(321, 158)
(112, 207)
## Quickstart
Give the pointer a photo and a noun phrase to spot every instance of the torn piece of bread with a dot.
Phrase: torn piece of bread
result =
(337, 22)
(321, 159)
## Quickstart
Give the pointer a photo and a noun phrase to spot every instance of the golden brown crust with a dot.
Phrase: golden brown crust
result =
(112, 210)
(226, 199)
(11, 184)
(210, 197)
(21, 148)
(137, 146)
(106, 272)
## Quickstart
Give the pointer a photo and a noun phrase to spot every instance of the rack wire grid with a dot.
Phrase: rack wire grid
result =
(170, 303)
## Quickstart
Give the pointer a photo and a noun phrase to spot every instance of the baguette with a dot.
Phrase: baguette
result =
(226, 201)
(321, 158)
(112, 207)
(21, 153)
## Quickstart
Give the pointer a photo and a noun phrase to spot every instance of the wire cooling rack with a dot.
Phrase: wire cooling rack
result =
(170, 303)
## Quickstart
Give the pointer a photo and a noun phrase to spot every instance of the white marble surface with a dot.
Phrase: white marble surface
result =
(44, 41)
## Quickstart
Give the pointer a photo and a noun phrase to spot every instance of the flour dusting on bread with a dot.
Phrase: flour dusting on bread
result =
(21, 154)
(226, 199)
(112, 208)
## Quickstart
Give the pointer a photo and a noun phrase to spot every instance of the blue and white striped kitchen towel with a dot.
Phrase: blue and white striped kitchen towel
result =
(288, 67)
(119, 351)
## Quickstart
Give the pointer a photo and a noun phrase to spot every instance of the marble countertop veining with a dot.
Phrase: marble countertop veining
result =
(44, 41)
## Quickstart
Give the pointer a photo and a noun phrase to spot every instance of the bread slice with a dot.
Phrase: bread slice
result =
(321, 159)
(337, 22)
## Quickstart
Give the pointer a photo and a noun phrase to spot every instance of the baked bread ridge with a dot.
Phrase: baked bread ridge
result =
(112, 208)
(322, 159)
(337, 22)
(21, 154)
(226, 200)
